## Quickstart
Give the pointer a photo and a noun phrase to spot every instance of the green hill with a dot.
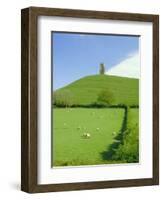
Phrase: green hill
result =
(86, 90)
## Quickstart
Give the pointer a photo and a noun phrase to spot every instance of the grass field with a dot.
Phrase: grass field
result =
(86, 90)
(133, 117)
(103, 125)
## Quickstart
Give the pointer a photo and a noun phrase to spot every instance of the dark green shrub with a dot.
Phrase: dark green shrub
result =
(129, 150)
(105, 97)
(63, 98)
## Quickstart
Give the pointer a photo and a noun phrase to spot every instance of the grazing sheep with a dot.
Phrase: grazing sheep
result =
(86, 135)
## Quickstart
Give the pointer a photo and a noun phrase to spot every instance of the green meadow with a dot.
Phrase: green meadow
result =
(88, 129)
(71, 123)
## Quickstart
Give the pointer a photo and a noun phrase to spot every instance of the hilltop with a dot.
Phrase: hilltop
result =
(86, 90)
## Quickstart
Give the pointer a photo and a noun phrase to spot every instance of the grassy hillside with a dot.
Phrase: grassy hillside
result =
(86, 90)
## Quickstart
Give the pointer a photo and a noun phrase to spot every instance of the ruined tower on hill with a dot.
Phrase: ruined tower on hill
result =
(102, 69)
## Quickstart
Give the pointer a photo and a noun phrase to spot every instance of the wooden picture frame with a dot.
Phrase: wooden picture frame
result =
(29, 112)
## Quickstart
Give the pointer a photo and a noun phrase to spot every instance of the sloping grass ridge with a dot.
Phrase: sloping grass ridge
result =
(85, 91)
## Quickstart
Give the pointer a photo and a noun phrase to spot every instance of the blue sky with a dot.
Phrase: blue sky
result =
(79, 55)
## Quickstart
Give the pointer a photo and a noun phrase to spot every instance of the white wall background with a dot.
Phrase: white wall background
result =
(10, 98)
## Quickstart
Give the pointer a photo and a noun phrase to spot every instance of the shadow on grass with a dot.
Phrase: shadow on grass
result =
(108, 154)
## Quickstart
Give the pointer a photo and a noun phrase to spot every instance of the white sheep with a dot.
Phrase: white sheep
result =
(86, 135)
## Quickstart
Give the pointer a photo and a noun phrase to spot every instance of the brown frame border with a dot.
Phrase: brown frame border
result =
(29, 98)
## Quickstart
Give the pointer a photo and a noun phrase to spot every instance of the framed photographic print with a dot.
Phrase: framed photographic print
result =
(90, 99)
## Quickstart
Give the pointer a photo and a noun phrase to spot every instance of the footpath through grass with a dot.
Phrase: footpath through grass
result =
(69, 146)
